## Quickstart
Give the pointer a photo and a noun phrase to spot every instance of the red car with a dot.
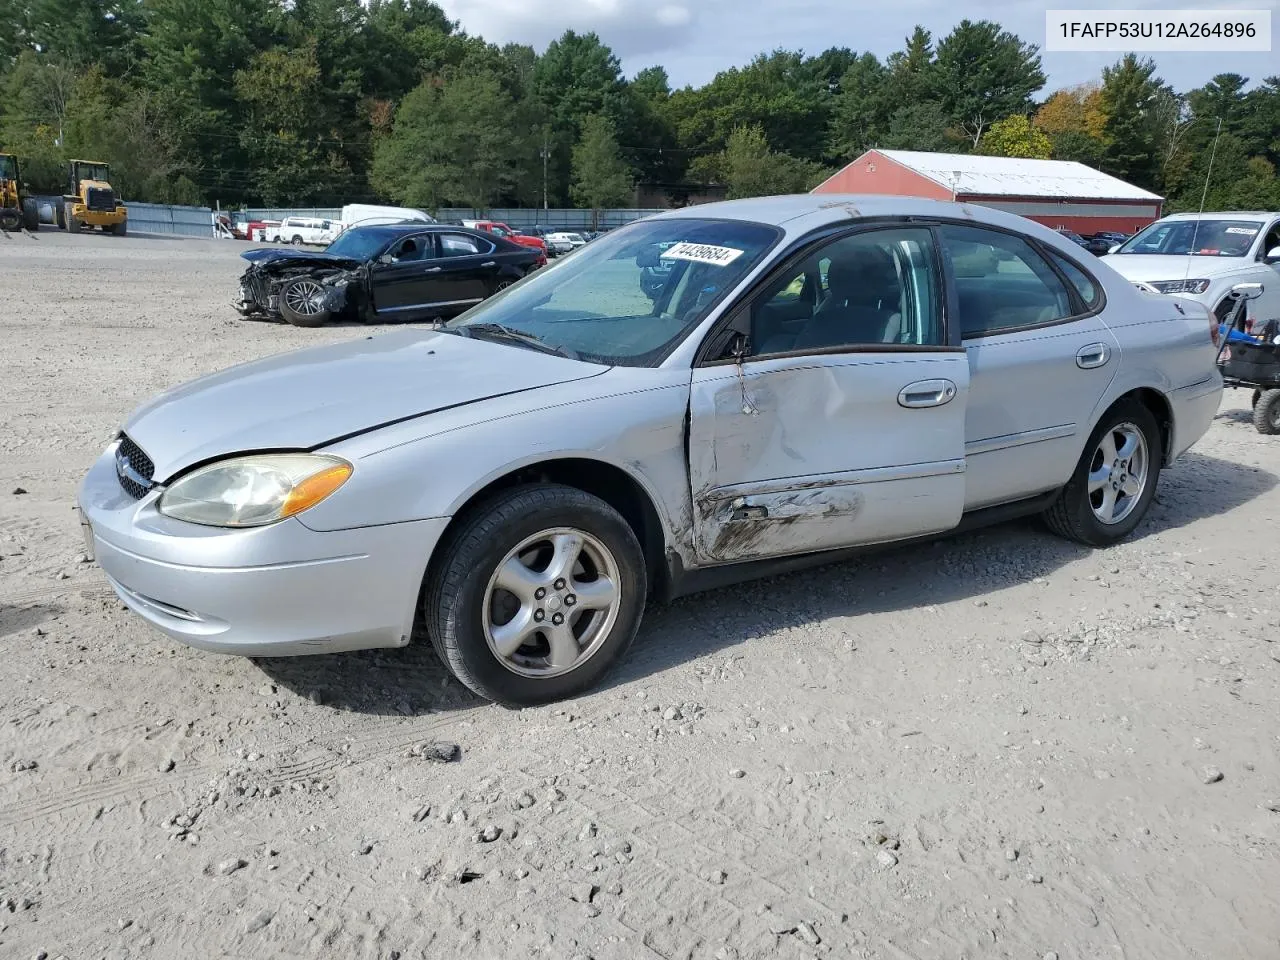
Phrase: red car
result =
(500, 229)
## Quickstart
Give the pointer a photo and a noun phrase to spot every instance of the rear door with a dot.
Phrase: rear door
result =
(1040, 360)
(468, 268)
(847, 426)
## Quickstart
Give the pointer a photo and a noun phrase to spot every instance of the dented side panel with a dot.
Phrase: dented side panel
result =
(800, 454)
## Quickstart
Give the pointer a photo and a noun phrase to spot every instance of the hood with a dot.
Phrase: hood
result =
(270, 257)
(305, 399)
(1149, 266)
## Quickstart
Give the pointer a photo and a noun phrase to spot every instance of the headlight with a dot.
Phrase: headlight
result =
(254, 490)
(1181, 286)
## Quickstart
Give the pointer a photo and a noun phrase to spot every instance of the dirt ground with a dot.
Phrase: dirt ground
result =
(998, 746)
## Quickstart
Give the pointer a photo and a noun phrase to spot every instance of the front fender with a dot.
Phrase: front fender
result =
(432, 466)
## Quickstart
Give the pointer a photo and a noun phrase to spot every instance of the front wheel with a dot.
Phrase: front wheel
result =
(30, 215)
(537, 595)
(302, 303)
(1266, 413)
(1115, 480)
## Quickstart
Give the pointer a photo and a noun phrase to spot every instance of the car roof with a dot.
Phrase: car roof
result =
(1261, 215)
(800, 213)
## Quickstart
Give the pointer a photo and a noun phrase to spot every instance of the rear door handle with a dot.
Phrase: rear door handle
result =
(489, 263)
(432, 270)
(926, 393)
(1092, 356)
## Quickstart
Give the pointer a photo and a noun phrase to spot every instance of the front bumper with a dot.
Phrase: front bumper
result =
(278, 590)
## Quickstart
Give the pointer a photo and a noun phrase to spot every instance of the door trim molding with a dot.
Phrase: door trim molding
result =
(912, 471)
(992, 444)
(424, 306)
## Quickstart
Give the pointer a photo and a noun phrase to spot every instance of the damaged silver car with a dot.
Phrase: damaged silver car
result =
(377, 274)
(706, 395)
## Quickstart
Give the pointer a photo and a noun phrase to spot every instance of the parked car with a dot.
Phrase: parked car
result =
(564, 242)
(369, 215)
(312, 230)
(1100, 244)
(1073, 237)
(1203, 256)
(502, 230)
(390, 272)
(815, 377)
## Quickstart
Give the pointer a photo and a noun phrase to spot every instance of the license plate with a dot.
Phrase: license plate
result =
(86, 528)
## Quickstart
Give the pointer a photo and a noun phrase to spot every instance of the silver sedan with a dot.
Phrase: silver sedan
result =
(709, 394)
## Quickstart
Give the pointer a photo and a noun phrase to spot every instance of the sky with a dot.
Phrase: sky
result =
(695, 39)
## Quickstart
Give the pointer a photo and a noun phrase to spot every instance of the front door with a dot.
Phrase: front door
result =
(406, 278)
(843, 424)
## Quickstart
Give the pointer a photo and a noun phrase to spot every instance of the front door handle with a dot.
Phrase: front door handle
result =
(1092, 356)
(432, 270)
(489, 263)
(927, 393)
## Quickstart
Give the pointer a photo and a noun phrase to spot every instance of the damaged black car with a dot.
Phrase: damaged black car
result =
(380, 274)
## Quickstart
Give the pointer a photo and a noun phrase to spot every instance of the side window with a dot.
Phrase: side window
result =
(1084, 284)
(878, 287)
(410, 249)
(458, 245)
(1271, 240)
(1002, 283)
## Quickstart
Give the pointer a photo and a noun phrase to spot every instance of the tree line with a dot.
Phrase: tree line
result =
(319, 102)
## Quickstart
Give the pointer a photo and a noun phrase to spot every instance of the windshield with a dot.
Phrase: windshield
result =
(7, 168)
(361, 243)
(630, 296)
(1201, 238)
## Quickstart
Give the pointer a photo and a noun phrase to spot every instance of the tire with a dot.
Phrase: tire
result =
(501, 284)
(461, 622)
(1266, 413)
(296, 241)
(1073, 515)
(1257, 395)
(298, 306)
(122, 228)
(30, 215)
(73, 223)
(60, 215)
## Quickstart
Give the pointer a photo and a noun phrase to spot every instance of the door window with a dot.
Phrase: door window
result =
(410, 249)
(879, 287)
(1002, 282)
(459, 245)
(1083, 283)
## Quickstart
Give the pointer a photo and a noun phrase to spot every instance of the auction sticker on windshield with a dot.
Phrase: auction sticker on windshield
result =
(701, 253)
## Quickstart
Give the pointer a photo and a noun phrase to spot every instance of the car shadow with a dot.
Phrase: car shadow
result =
(16, 618)
(889, 579)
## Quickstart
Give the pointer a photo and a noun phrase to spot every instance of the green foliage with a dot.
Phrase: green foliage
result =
(601, 177)
(1015, 136)
(329, 101)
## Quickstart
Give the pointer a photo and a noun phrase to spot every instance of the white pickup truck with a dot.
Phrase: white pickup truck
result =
(300, 230)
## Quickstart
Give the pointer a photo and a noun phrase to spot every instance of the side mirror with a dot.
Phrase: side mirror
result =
(386, 258)
(1273, 255)
(1247, 291)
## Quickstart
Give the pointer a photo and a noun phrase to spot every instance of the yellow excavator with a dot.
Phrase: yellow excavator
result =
(91, 202)
(16, 209)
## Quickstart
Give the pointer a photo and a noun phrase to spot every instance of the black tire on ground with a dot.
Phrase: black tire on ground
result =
(73, 223)
(60, 215)
(1266, 413)
(501, 284)
(296, 241)
(1257, 395)
(453, 603)
(30, 214)
(1072, 515)
(122, 228)
(299, 313)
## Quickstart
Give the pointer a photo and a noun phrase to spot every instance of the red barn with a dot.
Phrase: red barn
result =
(1057, 193)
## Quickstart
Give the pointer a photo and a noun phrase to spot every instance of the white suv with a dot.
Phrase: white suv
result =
(312, 230)
(1202, 256)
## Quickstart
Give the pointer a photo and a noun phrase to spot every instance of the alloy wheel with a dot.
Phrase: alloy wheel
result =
(1118, 473)
(305, 297)
(551, 603)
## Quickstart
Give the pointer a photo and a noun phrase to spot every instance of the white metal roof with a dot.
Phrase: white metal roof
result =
(1017, 177)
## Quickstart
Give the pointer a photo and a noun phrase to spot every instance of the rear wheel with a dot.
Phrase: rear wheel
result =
(73, 223)
(122, 228)
(297, 241)
(1257, 395)
(30, 214)
(1266, 413)
(302, 303)
(1115, 480)
(536, 595)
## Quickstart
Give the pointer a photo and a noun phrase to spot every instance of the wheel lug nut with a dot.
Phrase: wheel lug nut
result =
(570, 600)
(539, 593)
(538, 615)
(560, 584)
(558, 619)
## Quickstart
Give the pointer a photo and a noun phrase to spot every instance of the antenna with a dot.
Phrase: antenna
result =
(1195, 231)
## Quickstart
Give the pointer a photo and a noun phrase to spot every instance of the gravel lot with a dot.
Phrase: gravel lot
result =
(1002, 745)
